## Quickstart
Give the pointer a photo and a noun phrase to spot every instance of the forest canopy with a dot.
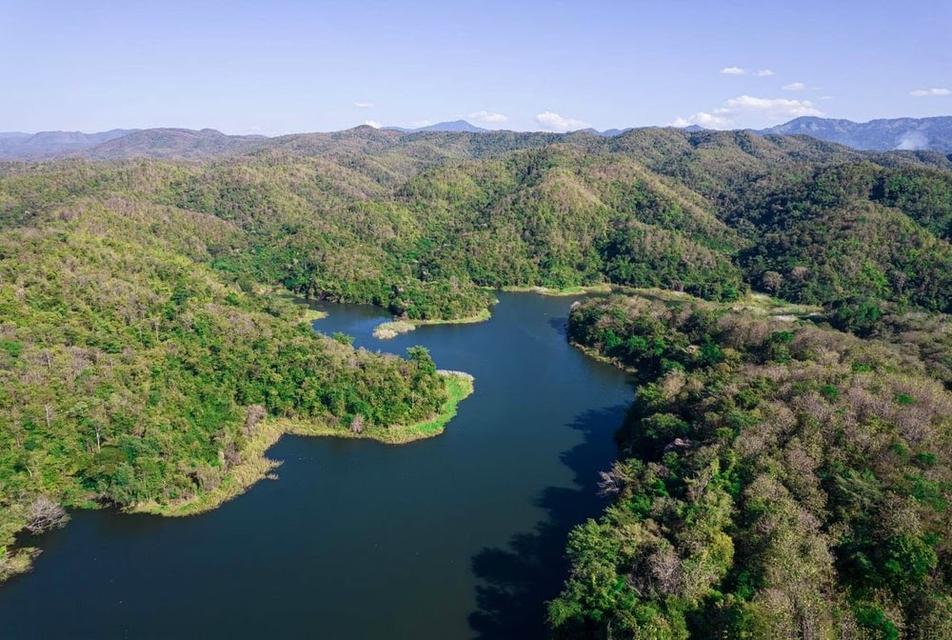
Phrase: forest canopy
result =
(777, 479)
(778, 476)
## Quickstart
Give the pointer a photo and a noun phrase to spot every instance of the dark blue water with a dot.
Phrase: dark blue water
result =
(459, 536)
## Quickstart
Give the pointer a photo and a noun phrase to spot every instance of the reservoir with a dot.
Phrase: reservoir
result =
(458, 536)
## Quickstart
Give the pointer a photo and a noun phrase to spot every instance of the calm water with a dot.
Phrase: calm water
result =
(459, 536)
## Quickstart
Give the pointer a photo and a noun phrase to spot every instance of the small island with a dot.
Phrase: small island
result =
(392, 328)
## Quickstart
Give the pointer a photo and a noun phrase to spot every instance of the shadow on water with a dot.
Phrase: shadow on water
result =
(517, 581)
(560, 325)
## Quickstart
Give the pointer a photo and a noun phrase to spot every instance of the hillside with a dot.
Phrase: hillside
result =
(419, 222)
(777, 480)
(909, 134)
(132, 373)
(171, 143)
(147, 356)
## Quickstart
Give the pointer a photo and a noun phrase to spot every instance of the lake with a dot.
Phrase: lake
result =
(458, 536)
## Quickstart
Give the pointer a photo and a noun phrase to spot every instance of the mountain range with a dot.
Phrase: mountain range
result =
(454, 126)
(774, 472)
(913, 134)
(30, 146)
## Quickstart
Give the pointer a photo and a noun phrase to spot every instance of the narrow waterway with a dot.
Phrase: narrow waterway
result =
(459, 536)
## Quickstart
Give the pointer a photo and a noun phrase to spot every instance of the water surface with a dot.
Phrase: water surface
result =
(459, 536)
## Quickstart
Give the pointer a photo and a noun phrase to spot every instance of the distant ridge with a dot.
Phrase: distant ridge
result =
(911, 134)
(171, 143)
(916, 134)
(453, 126)
(607, 133)
(45, 144)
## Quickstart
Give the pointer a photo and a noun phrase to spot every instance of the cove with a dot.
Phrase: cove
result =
(457, 536)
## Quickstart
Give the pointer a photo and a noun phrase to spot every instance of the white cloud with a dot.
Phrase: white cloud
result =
(487, 117)
(750, 111)
(419, 124)
(704, 119)
(935, 91)
(794, 86)
(554, 122)
(792, 107)
(740, 71)
(372, 123)
(364, 105)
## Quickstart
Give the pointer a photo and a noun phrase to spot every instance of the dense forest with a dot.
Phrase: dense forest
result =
(777, 480)
(132, 373)
(422, 223)
(778, 477)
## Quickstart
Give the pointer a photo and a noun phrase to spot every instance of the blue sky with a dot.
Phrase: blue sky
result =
(279, 67)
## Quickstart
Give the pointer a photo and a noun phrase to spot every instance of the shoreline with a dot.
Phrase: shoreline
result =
(481, 316)
(392, 328)
(258, 466)
(595, 355)
(389, 329)
(313, 315)
(560, 291)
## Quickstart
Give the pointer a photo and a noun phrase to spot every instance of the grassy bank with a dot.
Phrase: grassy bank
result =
(255, 465)
(390, 330)
(482, 316)
(312, 315)
(459, 385)
(755, 303)
(563, 291)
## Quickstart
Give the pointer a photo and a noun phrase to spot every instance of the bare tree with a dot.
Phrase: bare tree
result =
(255, 414)
(771, 281)
(357, 424)
(232, 455)
(45, 514)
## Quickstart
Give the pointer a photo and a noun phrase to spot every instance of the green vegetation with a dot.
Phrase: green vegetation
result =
(132, 374)
(459, 386)
(426, 224)
(564, 291)
(829, 240)
(255, 465)
(147, 359)
(777, 480)
(480, 316)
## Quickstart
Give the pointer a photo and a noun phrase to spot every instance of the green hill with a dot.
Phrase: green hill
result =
(144, 345)
(777, 480)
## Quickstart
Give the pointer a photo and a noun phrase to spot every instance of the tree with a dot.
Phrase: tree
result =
(45, 514)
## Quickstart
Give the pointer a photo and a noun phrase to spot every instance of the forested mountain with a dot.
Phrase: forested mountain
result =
(777, 480)
(141, 343)
(879, 135)
(910, 134)
(134, 373)
(171, 143)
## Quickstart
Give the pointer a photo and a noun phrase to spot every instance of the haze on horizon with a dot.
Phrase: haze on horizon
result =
(290, 67)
